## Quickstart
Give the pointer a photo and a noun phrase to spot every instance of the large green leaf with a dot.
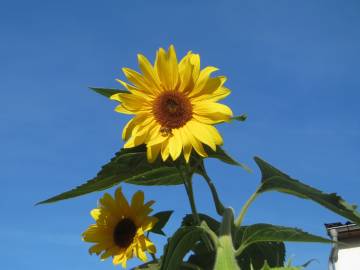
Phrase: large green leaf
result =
(180, 244)
(130, 166)
(268, 267)
(108, 92)
(258, 253)
(261, 232)
(274, 179)
(163, 218)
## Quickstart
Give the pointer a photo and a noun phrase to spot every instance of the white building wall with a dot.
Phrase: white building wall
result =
(348, 258)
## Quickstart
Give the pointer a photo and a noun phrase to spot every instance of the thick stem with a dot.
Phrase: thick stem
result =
(241, 216)
(218, 204)
(225, 254)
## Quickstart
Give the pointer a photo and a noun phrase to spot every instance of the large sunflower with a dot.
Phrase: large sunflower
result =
(119, 229)
(175, 105)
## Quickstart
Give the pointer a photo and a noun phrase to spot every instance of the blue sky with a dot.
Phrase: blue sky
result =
(293, 67)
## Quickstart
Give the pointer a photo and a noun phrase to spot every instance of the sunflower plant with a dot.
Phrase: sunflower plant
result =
(175, 107)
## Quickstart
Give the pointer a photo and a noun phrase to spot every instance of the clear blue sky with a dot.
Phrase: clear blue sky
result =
(293, 67)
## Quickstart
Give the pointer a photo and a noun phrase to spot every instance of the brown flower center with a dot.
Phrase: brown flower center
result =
(172, 110)
(124, 233)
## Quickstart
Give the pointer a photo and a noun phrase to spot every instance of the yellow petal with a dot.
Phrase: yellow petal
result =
(95, 213)
(215, 134)
(98, 248)
(187, 147)
(94, 233)
(132, 102)
(194, 142)
(141, 254)
(137, 201)
(138, 80)
(175, 144)
(167, 68)
(121, 200)
(155, 136)
(202, 80)
(185, 73)
(201, 133)
(165, 149)
(121, 109)
(152, 152)
(213, 111)
(149, 73)
(149, 223)
(209, 89)
(195, 62)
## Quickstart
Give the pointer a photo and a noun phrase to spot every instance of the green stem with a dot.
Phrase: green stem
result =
(228, 219)
(225, 254)
(190, 193)
(186, 176)
(153, 257)
(241, 216)
(218, 204)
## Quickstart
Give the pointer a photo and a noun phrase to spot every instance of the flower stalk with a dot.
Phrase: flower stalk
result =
(244, 209)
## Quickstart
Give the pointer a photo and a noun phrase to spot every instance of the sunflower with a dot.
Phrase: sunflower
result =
(120, 227)
(175, 106)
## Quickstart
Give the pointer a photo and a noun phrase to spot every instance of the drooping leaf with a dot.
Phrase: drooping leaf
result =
(240, 118)
(202, 257)
(108, 92)
(257, 254)
(212, 223)
(275, 180)
(179, 245)
(163, 218)
(221, 155)
(129, 166)
(261, 232)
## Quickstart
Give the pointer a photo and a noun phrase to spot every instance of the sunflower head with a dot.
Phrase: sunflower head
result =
(175, 106)
(120, 227)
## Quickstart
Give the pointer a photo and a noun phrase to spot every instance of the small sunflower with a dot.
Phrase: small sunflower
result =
(175, 106)
(119, 229)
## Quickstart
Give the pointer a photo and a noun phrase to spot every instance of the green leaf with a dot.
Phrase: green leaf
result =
(221, 155)
(130, 166)
(267, 267)
(259, 253)
(108, 92)
(240, 118)
(148, 266)
(212, 223)
(274, 179)
(179, 245)
(261, 232)
(163, 218)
